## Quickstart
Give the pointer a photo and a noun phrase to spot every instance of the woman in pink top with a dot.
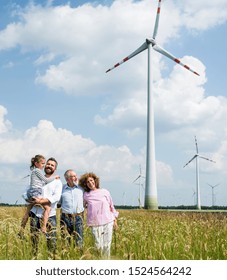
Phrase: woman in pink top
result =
(101, 214)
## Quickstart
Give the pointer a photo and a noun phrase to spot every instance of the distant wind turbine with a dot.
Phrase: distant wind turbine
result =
(213, 192)
(123, 198)
(140, 185)
(194, 193)
(27, 176)
(151, 199)
(196, 157)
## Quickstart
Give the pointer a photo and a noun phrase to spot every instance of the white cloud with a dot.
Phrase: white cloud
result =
(45, 58)
(71, 150)
(5, 125)
(9, 37)
(164, 174)
(69, 77)
(202, 15)
(123, 113)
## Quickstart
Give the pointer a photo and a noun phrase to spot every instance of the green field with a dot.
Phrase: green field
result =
(142, 235)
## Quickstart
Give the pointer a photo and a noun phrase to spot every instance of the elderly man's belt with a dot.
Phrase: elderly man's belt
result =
(73, 215)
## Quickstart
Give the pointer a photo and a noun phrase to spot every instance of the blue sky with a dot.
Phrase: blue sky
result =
(57, 100)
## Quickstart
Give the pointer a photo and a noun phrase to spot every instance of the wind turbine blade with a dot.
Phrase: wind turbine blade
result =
(190, 160)
(207, 159)
(213, 186)
(157, 19)
(139, 50)
(137, 178)
(26, 176)
(169, 55)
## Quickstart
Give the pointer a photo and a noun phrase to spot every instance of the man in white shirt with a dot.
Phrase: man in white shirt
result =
(52, 193)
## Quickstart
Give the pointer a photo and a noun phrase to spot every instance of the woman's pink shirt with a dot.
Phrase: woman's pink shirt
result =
(100, 208)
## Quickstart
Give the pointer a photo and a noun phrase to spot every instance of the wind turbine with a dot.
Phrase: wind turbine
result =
(196, 157)
(140, 185)
(151, 199)
(194, 193)
(27, 176)
(213, 192)
(123, 198)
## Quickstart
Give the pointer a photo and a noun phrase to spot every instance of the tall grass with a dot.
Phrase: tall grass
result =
(171, 236)
(142, 235)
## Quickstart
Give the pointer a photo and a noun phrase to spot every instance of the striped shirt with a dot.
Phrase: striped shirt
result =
(38, 180)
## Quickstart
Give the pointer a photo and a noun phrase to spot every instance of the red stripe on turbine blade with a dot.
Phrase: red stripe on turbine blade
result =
(118, 64)
(185, 66)
(191, 70)
(159, 7)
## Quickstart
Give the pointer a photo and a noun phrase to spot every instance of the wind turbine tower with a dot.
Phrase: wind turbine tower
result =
(196, 157)
(151, 199)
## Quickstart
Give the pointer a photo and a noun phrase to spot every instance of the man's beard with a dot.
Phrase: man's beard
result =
(49, 170)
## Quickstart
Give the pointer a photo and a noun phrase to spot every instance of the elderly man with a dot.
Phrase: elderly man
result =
(72, 209)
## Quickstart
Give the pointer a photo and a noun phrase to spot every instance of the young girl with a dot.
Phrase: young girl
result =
(101, 214)
(37, 182)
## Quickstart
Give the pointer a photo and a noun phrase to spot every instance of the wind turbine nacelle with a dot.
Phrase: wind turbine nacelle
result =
(151, 41)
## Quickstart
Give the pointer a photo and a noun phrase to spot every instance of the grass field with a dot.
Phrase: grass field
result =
(142, 235)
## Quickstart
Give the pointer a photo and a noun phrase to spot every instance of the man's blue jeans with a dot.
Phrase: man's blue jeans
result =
(74, 226)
